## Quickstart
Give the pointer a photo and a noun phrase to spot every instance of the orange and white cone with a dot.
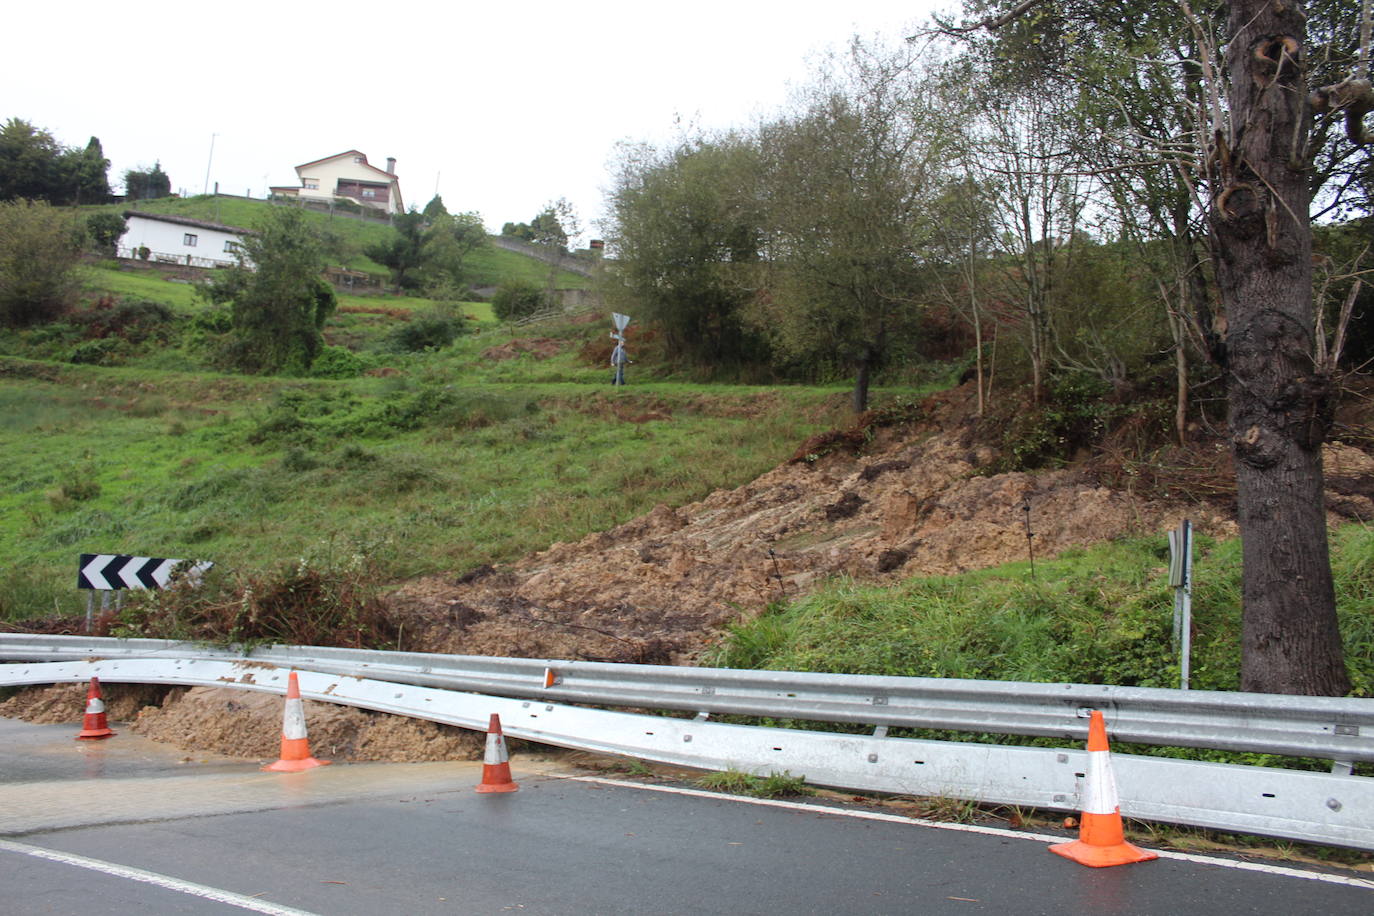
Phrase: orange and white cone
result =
(1101, 841)
(496, 763)
(295, 747)
(93, 724)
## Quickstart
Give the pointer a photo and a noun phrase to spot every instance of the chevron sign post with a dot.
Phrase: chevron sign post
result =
(109, 572)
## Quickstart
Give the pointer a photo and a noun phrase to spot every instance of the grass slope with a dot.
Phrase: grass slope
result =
(488, 267)
(427, 471)
(1097, 616)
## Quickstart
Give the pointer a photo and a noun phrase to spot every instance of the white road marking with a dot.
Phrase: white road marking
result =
(148, 877)
(1279, 870)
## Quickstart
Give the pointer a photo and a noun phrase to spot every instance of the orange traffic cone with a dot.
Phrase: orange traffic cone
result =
(93, 724)
(496, 763)
(295, 747)
(1101, 841)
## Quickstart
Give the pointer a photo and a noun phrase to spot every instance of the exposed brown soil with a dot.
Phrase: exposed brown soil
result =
(243, 723)
(662, 588)
(891, 503)
(539, 347)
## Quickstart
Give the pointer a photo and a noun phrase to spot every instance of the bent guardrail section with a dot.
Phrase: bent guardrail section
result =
(1331, 728)
(1313, 807)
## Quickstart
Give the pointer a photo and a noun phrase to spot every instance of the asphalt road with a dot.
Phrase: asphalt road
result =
(128, 826)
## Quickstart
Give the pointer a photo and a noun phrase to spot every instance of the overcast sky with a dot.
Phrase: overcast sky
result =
(500, 107)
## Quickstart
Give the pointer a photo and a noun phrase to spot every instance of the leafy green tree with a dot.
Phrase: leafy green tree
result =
(550, 227)
(435, 208)
(429, 252)
(29, 162)
(34, 166)
(545, 229)
(40, 250)
(402, 253)
(86, 172)
(147, 184)
(447, 245)
(520, 231)
(516, 299)
(849, 182)
(104, 230)
(687, 226)
(278, 303)
(1264, 154)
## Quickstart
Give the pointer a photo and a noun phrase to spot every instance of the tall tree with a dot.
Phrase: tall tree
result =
(147, 184)
(87, 174)
(448, 244)
(1281, 405)
(40, 251)
(686, 226)
(435, 208)
(403, 252)
(848, 182)
(429, 252)
(1263, 162)
(277, 300)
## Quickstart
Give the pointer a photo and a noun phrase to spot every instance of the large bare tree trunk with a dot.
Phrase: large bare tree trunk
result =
(1279, 405)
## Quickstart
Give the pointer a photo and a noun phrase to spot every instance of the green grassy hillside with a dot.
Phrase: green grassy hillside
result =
(443, 461)
(489, 267)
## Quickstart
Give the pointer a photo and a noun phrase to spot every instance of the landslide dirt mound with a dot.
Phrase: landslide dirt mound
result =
(242, 723)
(661, 588)
(919, 501)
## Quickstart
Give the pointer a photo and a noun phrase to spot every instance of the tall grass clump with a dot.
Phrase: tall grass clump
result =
(329, 602)
(1098, 616)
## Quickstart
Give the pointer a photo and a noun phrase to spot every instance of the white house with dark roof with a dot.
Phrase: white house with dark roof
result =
(348, 175)
(180, 239)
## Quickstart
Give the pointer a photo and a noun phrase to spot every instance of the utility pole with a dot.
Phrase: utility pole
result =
(207, 164)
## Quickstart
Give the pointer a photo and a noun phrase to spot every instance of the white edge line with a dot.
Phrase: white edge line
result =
(148, 877)
(1279, 870)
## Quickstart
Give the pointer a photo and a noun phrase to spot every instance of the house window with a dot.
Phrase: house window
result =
(369, 192)
(312, 184)
(357, 158)
(231, 246)
(189, 240)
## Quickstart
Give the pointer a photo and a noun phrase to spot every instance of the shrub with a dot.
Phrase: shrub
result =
(297, 460)
(308, 604)
(1076, 414)
(430, 331)
(337, 362)
(104, 230)
(136, 320)
(517, 300)
(77, 484)
(278, 307)
(39, 253)
(95, 352)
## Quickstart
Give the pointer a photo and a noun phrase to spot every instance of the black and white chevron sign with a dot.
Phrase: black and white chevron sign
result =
(108, 571)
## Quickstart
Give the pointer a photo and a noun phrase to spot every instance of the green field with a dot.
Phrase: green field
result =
(489, 267)
(451, 462)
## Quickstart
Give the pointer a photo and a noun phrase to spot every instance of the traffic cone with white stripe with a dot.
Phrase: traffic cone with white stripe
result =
(93, 724)
(295, 747)
(1101, 840)
(496, 763)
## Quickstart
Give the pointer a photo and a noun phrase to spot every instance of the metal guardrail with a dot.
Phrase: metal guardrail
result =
(1314, 807)
(1330, 728)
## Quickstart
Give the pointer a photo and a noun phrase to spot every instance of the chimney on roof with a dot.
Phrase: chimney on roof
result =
(391, 164)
